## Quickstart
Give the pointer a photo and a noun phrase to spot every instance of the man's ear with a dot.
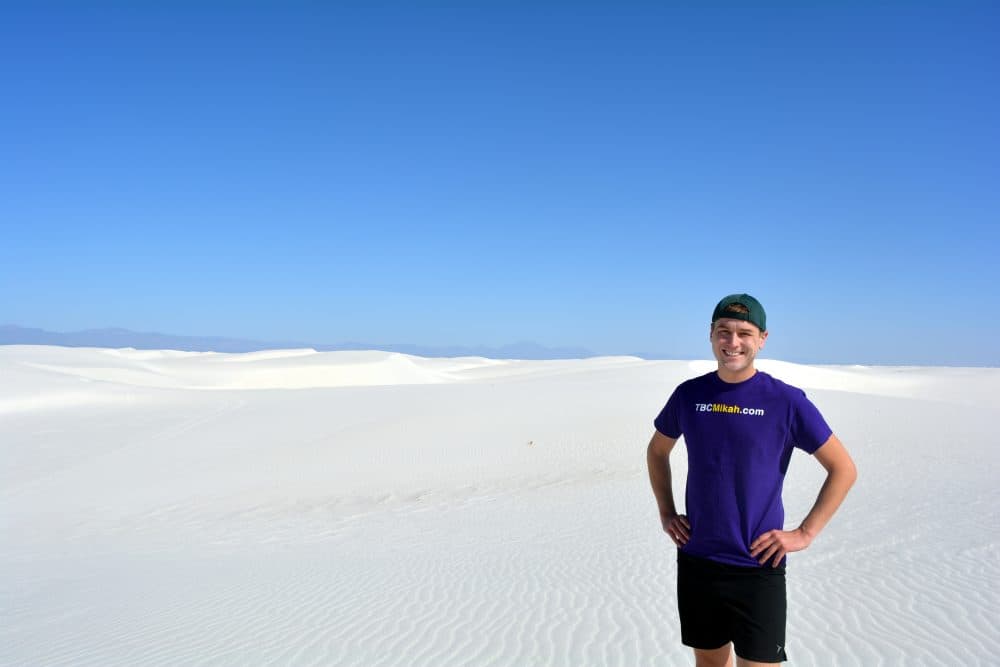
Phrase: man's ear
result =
(763, 339)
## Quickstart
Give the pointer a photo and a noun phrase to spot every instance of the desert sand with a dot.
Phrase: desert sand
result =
(368, 508)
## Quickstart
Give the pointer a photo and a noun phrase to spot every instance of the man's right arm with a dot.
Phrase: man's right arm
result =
(658, 461)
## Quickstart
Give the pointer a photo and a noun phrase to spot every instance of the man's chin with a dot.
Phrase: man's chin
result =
(736, 365)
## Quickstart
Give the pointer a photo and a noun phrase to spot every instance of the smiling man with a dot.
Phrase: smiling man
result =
(740, 426)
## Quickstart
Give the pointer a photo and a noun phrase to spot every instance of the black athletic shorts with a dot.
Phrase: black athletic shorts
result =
(722, 603)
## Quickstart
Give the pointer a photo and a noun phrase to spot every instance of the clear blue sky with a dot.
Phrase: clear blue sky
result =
(571, 174)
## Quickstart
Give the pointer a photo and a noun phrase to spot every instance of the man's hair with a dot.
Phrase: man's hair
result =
(736, 308)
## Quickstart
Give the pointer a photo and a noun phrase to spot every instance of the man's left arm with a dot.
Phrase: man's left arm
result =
(840, 476)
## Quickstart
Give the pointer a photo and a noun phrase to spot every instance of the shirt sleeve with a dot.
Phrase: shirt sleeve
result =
(809, 430)
(668, 422)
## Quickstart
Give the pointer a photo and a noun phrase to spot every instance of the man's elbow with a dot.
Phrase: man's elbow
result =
(847, 472)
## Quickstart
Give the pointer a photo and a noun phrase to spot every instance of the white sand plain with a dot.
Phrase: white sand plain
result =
(368, 508)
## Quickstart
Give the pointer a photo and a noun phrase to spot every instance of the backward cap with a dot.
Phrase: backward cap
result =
(754, 311)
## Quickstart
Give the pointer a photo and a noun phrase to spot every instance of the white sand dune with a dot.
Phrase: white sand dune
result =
(370, 508)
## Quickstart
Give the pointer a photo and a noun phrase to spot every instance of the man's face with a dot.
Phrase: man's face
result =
(735, 344)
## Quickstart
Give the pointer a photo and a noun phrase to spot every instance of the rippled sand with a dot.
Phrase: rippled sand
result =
(367, 508)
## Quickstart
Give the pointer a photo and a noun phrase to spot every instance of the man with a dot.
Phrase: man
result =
(739, 426)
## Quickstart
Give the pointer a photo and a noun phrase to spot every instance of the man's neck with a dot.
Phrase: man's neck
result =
(734, 378)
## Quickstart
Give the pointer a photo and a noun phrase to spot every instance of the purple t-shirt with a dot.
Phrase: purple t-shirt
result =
(739, 439)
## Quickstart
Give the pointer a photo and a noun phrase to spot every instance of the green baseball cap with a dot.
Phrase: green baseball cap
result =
(751, 310)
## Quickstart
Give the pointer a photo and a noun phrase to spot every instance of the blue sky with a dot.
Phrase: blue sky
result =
(572, 174)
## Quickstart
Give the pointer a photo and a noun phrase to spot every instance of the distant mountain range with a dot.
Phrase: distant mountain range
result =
(118, 338)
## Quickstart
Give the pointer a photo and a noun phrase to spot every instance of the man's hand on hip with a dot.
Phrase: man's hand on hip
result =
(677, 527)
(778, 543)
